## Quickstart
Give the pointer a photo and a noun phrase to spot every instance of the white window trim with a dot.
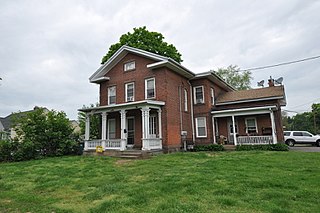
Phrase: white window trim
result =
(212, 96)
(115, 127)
(185, 100)
(145, 88)
(205, 126)
(126, 91)
(129, 62)
(194, 94)
(109, 94)
(255, 121)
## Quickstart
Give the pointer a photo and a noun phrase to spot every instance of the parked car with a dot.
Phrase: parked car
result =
(301, 137)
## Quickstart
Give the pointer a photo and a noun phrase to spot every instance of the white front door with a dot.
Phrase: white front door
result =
(130, 131)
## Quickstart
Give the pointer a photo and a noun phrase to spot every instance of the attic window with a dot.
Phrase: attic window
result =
(130, 66)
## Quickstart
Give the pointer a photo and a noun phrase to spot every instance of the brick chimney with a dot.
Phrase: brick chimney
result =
(271, 82)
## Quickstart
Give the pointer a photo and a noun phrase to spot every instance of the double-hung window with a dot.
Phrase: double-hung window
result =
(111, 128)
(153, 126)
(201, 127)
(198, 95)
(185, 100)
(251, 125)
(212, 96)
(129, 66)
(112, 95)
(150, 88)
(129, 87)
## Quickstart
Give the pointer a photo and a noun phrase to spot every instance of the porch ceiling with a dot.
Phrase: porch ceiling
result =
(243, 111)
(124, 106)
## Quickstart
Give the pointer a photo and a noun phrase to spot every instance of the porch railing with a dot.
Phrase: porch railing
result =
(152, 143)
(244, 140)
(116, 144)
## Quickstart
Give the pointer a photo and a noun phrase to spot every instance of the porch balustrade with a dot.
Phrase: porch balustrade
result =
(253, 140)
(117, 144)
(151, 143)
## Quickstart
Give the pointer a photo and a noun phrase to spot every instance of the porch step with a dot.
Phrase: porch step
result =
(134, 154)
(229, 147)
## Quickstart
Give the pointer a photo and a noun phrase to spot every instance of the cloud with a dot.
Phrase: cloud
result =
(50, 48)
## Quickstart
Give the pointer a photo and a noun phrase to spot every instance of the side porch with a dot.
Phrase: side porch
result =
(133, 125)
(256, 125)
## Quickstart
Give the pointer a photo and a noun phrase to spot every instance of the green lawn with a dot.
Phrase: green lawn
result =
(181, 182)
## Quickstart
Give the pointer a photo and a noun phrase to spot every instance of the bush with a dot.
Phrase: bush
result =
(211, 147)
(263, 147)
(5, 150)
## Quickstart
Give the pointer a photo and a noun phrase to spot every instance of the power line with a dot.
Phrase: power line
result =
(280, 64)
(305, 103)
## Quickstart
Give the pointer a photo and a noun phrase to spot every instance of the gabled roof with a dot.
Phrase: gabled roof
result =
(212, 76)
(161, 61)
(252, 95)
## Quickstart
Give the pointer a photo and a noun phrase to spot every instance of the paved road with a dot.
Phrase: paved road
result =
(305, 148)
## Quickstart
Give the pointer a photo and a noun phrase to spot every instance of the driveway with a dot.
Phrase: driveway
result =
(305, 148)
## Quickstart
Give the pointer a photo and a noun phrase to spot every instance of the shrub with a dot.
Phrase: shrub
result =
(5, 150)
(263, 147)
(211, 147)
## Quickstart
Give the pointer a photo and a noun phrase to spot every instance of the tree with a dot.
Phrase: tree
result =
(233, 76)
(95, 123)
(143, 39)
(41, 133)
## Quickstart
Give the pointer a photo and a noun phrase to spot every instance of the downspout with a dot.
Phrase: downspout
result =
(180, 110)
(191, 109)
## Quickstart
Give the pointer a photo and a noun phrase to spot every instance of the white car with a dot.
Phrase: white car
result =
(301, 137)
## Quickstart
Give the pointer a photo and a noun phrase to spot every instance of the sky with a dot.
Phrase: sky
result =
(49, 49)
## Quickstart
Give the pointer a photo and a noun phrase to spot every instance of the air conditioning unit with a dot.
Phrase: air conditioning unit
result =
(130, 99)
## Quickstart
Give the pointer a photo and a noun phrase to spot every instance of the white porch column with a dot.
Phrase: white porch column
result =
(234, 131)
(123, 127)
(104, 129)
(214, 131)
(160, 123)
(87, 128)
(273, 126)
(145, 127)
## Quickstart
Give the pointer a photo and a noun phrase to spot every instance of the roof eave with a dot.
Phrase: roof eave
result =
(250, 100)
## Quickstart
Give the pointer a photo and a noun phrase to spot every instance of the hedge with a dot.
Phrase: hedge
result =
(211, 147)
(263, 147)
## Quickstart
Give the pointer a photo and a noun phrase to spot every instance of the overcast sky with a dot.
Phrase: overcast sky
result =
(48, 49)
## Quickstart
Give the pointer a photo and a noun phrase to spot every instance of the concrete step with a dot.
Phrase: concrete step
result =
(229, 147)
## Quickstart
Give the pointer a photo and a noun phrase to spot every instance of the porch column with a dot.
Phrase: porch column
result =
(87, 132)
(273, 126)
(159, 122)
(104, 129)
(145, 127)
(123, 127)
(214, 131)
(234, 131)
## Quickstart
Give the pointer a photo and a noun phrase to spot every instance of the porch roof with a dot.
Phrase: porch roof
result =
(243, 111)
(125, 106)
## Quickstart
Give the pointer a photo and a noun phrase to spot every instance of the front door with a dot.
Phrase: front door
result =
(130, 131)
(230, 131)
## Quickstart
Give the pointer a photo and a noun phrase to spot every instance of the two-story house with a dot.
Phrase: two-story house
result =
(148, 101)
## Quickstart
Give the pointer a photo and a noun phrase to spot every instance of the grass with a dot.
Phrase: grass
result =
(181, 182)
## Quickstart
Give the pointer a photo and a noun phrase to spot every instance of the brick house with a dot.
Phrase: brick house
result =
(148, 101)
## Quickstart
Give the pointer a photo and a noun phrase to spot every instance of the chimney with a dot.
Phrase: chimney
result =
(271, 82)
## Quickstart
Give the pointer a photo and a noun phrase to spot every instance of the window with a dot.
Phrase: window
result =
(150, 88)
(153, 126)
(297, 133)
(212, 96)
(112, 95)
(111, 128)
(306, 134)
(201, 127)
(129, 66)
(198, 95)
(251, 125)
(129, 92)
(185, 100)
(286, 133)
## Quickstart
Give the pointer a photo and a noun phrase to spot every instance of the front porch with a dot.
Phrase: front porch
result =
(126, 126)
(247, 126)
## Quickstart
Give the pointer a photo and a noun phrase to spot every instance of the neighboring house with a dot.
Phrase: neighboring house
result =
(6, 124)
(148, 101)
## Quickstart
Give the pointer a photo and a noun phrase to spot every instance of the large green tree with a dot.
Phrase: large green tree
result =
(233, 76)
(143, 39)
